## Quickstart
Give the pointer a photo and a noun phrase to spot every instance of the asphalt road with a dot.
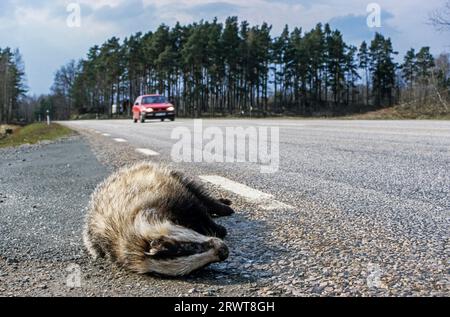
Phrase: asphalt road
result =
(358, 167)
(356, 208)
(381, 190)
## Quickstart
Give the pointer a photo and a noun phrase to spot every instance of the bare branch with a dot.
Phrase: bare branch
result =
(441, 18)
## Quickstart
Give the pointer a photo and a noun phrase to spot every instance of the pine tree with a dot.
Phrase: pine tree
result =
(315, 41)
(230, 44)
(136, 62)
(425, 63)
(279, 67)
(337, 64)
(383, 69)
(409, 68)
(351, 73)
(364, 64)
(12, 83)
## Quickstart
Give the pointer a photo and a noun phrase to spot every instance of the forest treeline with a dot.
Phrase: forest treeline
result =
(12, 84)
(211, 68)
(233, 68)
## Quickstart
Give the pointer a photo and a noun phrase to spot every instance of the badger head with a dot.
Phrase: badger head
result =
(172, 250)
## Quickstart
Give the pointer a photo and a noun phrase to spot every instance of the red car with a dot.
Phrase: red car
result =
(153, 107)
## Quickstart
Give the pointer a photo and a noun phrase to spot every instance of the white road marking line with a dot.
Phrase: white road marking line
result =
(120, 140)
(106, 134)
(147, 152)
(237, 188)
(266, 201)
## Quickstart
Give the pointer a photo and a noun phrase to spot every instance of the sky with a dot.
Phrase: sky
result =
(41, 31)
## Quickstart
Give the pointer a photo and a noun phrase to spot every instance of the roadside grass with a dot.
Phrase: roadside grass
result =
(397, 113)
(384, 114)
(34, 133)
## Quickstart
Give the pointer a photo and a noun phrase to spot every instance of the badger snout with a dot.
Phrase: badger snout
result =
(221, 249)
(223, 252)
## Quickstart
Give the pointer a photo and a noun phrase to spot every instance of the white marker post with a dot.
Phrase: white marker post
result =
(48, 117)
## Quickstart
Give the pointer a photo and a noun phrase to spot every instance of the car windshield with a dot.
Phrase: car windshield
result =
(153, 100)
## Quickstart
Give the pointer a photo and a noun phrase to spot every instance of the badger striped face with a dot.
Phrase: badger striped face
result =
(166, 248)
(170, 257)
(173, 250)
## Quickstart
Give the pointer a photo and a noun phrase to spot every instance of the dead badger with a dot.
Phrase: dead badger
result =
(150, 219)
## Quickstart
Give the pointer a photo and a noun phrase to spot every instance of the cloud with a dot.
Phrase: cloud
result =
(355, 28)
(133, 9)
(209, 11)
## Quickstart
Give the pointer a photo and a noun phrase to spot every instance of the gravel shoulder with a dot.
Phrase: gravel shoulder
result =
(44, 193)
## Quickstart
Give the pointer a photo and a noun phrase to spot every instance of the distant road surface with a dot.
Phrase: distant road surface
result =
(358, 166)
(366, 198)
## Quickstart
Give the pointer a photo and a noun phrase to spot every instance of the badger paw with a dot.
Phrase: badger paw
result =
(220, 232)
(221, 208)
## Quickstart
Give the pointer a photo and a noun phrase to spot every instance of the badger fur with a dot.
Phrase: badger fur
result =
(151, 219)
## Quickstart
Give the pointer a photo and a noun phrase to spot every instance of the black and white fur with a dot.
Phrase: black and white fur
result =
(151, 219)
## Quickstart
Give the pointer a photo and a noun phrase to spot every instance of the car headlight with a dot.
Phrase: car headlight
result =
(149, 110)
(171, 109)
